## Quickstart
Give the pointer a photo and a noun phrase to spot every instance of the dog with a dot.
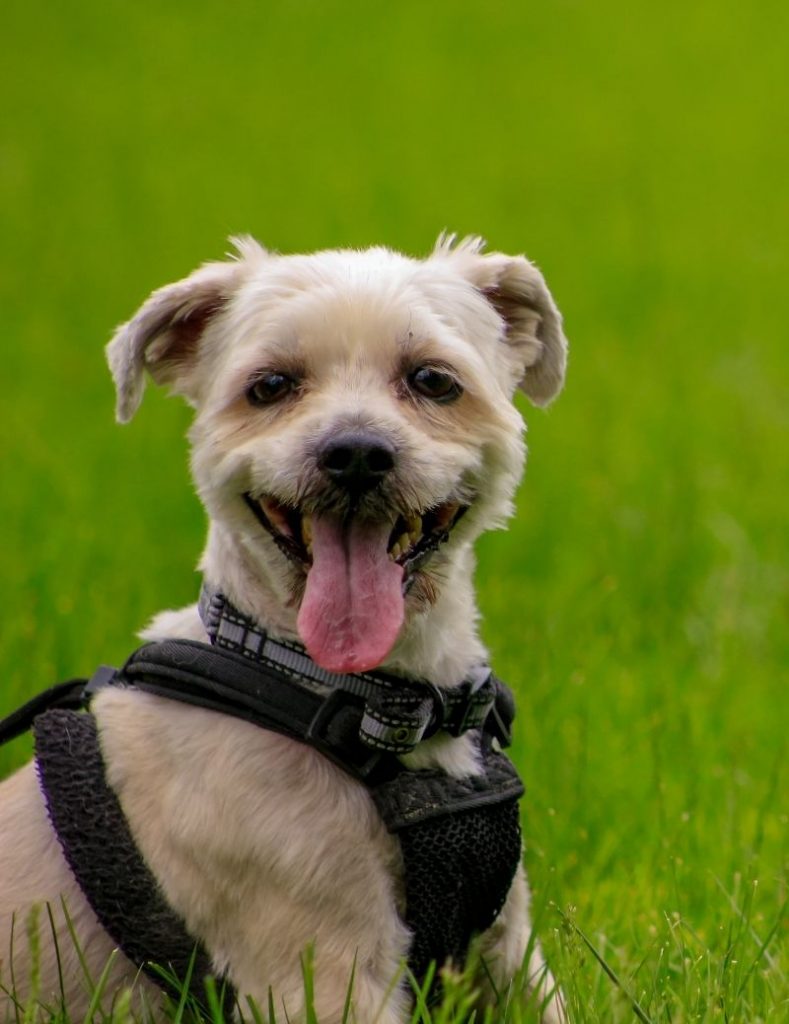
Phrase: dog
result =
(347, 405)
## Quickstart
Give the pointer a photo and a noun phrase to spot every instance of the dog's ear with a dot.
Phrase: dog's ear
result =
(163, 337)
(536, 345)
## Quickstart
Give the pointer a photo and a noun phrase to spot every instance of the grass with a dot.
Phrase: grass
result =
(638, 604)
(458, 1001)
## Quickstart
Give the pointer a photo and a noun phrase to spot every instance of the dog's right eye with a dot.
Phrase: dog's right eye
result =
(432, 382)
(270, 388)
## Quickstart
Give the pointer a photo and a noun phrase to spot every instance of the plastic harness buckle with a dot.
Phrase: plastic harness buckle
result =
(105, 675)
(344, 747)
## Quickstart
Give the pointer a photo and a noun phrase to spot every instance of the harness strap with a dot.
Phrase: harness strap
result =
(462, 707)
(64, 695)
(100, 850)
(340, 721)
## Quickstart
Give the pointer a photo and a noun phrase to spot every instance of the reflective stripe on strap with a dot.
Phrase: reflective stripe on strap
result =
(398, 713)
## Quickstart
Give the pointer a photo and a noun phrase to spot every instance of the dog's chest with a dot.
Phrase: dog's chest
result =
(226, 813)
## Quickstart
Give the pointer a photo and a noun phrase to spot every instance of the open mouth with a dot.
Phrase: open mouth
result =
(357, 572)
(413, 537)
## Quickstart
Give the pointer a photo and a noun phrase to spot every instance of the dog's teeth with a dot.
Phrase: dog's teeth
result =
(445, 515)
(306, 533)
(414, 527)
(275, 514)
(400, 546)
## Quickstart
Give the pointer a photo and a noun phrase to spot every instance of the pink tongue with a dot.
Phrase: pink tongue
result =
(352, 609)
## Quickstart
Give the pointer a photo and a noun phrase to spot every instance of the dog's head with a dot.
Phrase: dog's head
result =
(355, 428)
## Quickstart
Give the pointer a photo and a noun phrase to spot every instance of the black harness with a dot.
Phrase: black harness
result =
(460, 838)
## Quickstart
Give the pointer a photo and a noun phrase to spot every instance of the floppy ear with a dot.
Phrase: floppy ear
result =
(164, 335)
(533, 324)
(537, 347)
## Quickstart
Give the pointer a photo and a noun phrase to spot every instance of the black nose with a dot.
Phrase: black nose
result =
(357, 461)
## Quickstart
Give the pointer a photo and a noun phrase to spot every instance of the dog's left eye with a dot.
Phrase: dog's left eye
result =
(431, 382)
(269, 388)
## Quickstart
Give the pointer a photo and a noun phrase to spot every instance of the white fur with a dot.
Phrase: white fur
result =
(261, 844)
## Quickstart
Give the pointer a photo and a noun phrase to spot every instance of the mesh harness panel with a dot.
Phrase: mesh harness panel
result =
(461, 846)
(100, 850)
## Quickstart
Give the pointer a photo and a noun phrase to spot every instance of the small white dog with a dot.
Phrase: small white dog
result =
(352, 408)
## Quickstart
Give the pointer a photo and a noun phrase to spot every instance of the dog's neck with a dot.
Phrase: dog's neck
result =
(439, 642)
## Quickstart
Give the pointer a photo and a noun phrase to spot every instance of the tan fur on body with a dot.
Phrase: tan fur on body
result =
(258, 842)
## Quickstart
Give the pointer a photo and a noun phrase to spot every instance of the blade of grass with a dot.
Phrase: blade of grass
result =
(214, 1001)
(12, 966)
(421, 1014)
(346, 1009)
(308, 977)
(77, 945)
(272, 1014)
(58, 960)
(98, 991)
(609, 971)
(34, 954)
(257, 1016)
(184, 986)
(763, 947)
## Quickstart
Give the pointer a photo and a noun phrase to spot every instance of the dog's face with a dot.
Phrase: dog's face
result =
(354, 426)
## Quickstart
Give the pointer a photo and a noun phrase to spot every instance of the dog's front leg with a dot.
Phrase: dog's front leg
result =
(504, 948)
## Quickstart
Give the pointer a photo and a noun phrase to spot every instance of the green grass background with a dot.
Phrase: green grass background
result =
(638, 604)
